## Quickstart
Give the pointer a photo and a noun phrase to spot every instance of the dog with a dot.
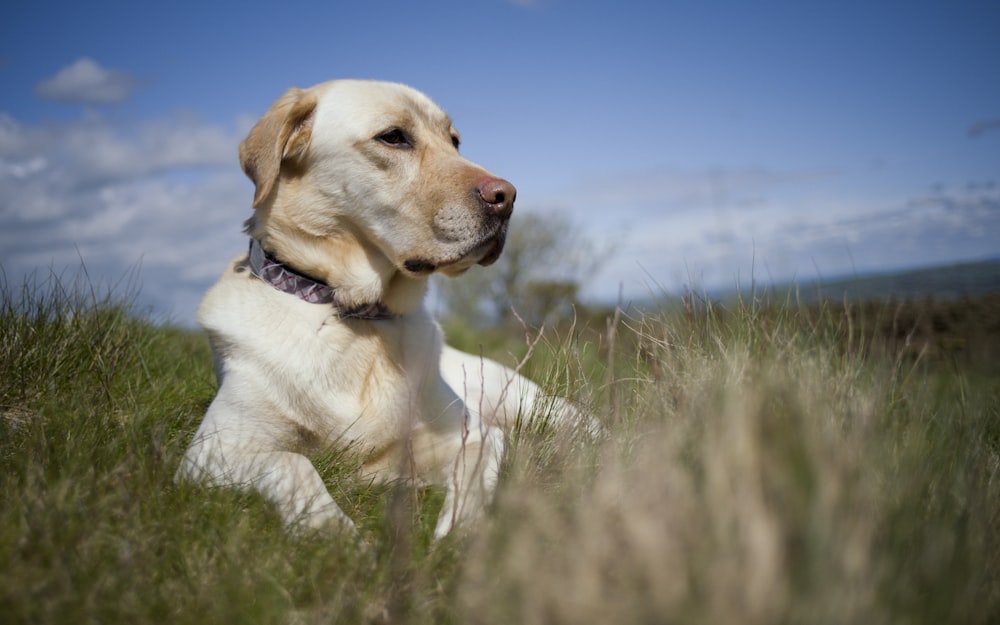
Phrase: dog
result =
(319, 333)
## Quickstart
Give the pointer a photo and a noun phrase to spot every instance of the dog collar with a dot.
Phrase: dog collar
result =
(287, 280)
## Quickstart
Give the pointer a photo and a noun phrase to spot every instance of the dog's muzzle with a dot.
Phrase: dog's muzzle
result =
(495, 247)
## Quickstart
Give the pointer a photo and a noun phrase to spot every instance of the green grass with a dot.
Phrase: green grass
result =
(760, 466)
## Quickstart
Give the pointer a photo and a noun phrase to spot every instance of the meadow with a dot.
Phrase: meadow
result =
(760, 463)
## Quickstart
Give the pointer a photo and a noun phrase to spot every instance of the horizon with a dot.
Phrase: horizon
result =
(840, 284)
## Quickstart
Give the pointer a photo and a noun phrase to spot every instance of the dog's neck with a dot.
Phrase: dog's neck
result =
(286, 279)
(335, 253)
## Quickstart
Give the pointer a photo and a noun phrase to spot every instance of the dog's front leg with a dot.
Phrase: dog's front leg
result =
(286, 479)
(290, 481)
(470, 478)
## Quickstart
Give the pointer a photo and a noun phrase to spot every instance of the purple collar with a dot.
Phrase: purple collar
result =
(287, 280)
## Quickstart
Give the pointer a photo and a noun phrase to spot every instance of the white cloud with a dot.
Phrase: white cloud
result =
(85, 82)
(23, 169)
(712, 228)
(165, 193)
(657, 191)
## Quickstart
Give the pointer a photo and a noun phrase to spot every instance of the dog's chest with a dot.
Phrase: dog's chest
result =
(313, 377)
(359, 381)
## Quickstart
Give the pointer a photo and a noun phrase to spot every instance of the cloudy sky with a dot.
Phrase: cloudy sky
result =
(704, 142)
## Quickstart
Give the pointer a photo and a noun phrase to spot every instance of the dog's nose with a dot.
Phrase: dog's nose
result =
(496, 196)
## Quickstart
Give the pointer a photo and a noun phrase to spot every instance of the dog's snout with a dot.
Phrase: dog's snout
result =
(496, 196)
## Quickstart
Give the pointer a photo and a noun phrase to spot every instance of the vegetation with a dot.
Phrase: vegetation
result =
(538, 275)
(760, 464)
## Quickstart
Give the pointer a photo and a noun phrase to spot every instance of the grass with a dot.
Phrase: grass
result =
(765, 465)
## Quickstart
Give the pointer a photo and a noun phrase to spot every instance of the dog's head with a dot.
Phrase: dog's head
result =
(352, 171)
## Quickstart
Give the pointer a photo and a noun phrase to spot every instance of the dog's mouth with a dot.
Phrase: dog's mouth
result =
(485, 252)
(493, 251)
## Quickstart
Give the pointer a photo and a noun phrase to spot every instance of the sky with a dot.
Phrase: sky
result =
(703, 144)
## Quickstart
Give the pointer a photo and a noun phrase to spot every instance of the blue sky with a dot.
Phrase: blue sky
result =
(702, 142)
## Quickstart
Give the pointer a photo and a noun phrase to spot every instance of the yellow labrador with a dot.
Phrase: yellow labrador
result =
(319, 333)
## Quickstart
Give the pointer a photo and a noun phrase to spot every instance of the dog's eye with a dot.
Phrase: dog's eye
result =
(395, 138)
(455, 141)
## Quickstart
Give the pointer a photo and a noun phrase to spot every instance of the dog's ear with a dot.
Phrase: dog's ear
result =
(281, 134)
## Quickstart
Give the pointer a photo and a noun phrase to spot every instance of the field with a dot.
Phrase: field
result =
(777, 463)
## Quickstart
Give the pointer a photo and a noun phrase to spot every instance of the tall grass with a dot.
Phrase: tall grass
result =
(762, 466)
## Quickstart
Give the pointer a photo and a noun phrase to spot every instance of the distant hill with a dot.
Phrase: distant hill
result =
(942, 282)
